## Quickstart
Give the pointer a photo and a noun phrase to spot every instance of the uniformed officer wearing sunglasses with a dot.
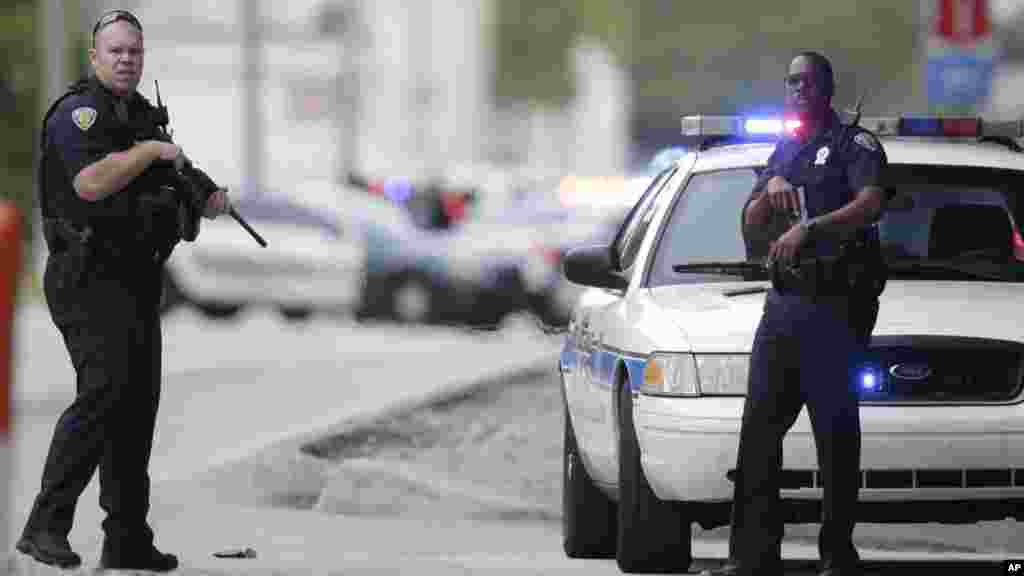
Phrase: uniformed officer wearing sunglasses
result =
(823, 181)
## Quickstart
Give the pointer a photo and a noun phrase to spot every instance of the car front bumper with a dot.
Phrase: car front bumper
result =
(908, 453)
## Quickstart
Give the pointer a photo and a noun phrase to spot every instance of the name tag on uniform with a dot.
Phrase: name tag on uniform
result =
(822, 156)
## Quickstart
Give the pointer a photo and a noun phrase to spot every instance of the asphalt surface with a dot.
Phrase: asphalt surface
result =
(241, 397)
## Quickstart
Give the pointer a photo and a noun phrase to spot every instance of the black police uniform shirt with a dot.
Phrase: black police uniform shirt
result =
(84, 128)
(831, 178)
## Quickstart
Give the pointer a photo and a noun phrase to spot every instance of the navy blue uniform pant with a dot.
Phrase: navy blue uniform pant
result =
(110, 424)
(803, 354)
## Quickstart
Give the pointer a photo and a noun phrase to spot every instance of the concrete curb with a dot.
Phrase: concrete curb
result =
(289, 473)
(364, 486)
(450, 394)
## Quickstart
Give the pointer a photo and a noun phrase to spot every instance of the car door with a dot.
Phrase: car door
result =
(603, 308)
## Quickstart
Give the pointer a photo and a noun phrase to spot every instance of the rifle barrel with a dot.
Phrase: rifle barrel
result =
(238, 218)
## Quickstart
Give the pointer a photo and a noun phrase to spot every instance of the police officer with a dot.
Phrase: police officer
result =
(110, 222)
(817, 320)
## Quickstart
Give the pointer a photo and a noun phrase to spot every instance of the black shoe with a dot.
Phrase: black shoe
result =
(145, 558)
(49, 549)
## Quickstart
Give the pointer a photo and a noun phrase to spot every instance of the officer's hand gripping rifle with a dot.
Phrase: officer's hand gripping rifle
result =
(195, 184)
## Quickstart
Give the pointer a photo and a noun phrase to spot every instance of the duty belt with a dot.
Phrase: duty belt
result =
(816, 277)
(61, 235)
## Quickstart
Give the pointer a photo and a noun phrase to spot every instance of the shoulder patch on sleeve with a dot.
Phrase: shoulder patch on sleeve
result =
(866, 140)
(84, 117)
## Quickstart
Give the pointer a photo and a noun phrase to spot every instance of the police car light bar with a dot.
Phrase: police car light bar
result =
(943, 127)
(703, 128)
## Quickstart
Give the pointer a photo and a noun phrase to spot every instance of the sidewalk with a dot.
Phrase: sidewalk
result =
(230, 429)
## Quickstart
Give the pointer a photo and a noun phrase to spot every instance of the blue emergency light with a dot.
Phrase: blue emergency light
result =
(700, 128)
(870, 379)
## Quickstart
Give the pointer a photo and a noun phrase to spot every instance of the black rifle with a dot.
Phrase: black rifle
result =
(195, 185)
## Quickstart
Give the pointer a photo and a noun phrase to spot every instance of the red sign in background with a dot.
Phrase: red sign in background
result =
(963, 22)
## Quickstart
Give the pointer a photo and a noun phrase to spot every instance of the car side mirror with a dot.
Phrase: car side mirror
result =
(592, 266)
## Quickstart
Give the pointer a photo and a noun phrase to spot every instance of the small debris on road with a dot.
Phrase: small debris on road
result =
(237, 553)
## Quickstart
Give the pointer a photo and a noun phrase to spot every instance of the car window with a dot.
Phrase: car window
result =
(704, 224)
(966, 215)
(628, 241)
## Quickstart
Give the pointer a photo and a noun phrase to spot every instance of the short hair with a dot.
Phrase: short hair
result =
(824, 68)
(111, 16)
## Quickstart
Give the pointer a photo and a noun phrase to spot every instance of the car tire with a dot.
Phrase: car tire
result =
(588, 515)
(413, 300)
(374, 297)
(295, 313)
(653, 536)
(547, 311)
(218, 310)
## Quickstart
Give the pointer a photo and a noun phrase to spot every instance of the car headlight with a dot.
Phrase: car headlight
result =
(692, 375)
(670, 374)
(723, 374)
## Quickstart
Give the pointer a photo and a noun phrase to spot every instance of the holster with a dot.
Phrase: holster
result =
(813, 278)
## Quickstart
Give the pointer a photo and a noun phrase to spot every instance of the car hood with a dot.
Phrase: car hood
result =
(712, 321)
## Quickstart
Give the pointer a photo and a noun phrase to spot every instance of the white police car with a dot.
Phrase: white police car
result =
(654, 366)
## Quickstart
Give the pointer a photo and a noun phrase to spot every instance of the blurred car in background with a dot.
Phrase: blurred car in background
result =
(407, 231)
(457, 252)
(473, 250)
(314, 261)
(510, 259)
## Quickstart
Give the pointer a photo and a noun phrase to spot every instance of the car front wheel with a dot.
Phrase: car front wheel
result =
(653, 536)
(219, 310)
(588, 515)
(295, 313)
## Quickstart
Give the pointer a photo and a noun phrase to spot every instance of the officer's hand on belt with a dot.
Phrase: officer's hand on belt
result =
(783, 196)
(218, 203)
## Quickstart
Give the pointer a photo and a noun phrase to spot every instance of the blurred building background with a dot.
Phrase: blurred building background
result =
(266, 95)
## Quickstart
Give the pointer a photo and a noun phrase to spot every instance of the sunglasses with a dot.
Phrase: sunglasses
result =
(112, 16)
(794, 80)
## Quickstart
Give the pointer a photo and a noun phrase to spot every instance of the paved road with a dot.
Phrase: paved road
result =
(237, 394)
(233, 388)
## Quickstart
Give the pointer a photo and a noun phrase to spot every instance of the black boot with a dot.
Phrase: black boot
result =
(49, 549)
(141, 557)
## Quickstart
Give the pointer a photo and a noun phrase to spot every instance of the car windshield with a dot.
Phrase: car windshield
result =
(942, 223)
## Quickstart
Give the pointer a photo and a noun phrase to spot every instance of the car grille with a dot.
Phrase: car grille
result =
(943, 369)
(911, 478)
